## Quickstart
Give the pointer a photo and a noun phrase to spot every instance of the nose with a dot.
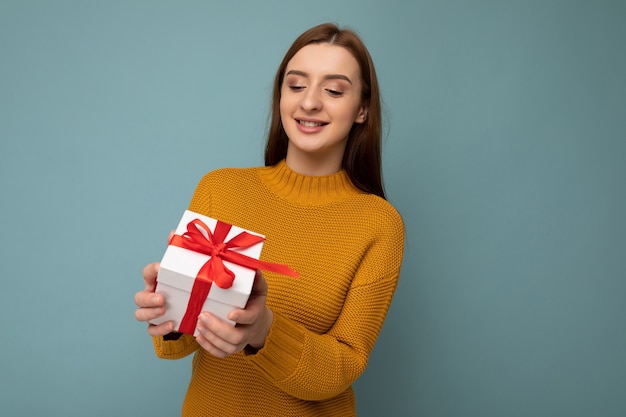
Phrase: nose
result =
(311, 101)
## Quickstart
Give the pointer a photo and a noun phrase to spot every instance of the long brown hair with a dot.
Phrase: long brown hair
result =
(362, 156)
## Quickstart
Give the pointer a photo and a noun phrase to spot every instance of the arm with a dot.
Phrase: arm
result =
(315, 366)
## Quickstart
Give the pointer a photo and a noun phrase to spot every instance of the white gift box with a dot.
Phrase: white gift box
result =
(179, 268)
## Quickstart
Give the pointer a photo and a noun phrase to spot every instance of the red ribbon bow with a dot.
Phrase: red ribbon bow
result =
(214, 270)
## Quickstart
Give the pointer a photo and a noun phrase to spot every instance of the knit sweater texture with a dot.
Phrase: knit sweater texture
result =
(347, 246)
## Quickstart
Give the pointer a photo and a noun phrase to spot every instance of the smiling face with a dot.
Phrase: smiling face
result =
(320, 101)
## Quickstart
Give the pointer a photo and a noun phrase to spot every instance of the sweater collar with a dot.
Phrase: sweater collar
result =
(308, 190)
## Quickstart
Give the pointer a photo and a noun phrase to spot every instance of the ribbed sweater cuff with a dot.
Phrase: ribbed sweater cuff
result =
(173, 349)
(280, 356)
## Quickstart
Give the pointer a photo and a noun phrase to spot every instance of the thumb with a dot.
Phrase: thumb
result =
(259, 287)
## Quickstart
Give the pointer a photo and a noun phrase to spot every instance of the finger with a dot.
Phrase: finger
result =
(149, 299)
(161, 329)
(219, 333)
(147, 314)
(150, 273)
(259, 285)
(209, 347)
(247, 316)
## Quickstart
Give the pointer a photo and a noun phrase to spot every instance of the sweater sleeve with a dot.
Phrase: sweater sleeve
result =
(174, 349)
(314, 366)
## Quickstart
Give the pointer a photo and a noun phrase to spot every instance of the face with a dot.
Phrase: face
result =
(320, 101)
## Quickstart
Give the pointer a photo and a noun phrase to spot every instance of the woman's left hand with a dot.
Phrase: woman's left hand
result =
(253, 324)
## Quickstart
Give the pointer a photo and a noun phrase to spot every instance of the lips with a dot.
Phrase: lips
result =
(310, 123)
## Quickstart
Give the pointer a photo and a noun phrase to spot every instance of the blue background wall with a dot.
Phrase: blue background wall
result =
(505, 153)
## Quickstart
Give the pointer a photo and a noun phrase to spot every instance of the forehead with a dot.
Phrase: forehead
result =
(324, 58)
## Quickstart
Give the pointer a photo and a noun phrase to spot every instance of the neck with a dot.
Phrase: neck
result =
(313, 165)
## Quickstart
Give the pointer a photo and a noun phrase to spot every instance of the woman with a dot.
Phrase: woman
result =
(299, 344)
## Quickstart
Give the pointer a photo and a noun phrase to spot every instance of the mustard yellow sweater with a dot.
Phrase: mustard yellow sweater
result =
(347, 246)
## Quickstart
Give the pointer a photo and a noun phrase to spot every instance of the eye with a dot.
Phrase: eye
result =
(334, 93)
(296, 87)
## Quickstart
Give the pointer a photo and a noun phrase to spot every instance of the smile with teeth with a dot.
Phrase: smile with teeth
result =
(311, 124)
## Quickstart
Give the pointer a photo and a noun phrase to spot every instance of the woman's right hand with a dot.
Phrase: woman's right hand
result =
(150, 304)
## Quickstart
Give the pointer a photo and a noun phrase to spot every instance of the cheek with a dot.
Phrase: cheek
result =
(285, 115)
(283, 110)
(346, 112)
(283, 104)
(288, 105)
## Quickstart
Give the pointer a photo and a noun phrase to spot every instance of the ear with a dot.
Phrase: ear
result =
(361, 115)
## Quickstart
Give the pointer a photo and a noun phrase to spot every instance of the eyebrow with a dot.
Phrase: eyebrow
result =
(326, 77)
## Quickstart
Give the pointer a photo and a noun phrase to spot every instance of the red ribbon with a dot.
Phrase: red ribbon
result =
(214, 270)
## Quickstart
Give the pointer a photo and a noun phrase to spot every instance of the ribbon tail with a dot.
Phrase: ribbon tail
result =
(252, 263)
(199, 293)
(279, 269)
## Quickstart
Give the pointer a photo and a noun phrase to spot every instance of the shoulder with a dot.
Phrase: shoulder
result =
(380, 211)
(219, 184)
(222, 174)
(227, 177)
(375, 221)
(380, 228)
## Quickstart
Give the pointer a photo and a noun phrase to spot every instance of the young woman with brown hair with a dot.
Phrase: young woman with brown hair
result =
(299, 344)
